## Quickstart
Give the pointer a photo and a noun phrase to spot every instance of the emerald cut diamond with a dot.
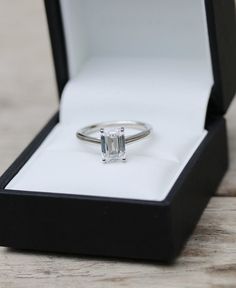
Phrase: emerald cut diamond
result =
(113, 144)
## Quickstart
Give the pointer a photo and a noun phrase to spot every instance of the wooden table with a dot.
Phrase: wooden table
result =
(27, 99)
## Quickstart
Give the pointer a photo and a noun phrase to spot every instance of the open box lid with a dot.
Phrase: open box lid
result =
(222, 38)
(145, 59)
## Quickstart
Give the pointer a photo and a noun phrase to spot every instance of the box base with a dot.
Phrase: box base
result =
(113, 227)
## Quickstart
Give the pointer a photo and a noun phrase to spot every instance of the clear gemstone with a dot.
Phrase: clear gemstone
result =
(113, 144)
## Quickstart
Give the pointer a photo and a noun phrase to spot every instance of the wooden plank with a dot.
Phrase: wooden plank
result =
(228, 186)
(209, 260)
(27, 87)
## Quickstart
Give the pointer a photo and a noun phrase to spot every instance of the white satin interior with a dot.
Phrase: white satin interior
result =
(144, 60)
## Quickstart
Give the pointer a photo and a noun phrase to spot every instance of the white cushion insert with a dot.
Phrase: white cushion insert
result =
(171, 96)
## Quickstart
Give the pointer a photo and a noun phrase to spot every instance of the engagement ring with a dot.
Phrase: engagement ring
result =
(112, 137)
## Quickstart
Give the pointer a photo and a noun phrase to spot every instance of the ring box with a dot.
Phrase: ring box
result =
(169, 63)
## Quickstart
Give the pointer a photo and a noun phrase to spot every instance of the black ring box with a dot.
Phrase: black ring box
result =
(124, 228)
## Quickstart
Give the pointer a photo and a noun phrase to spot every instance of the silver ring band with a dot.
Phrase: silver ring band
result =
(145, 130)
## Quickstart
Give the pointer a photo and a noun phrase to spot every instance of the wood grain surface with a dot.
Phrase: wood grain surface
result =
(28, 98)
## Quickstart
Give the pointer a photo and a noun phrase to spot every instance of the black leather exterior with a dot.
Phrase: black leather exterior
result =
(123, 228)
